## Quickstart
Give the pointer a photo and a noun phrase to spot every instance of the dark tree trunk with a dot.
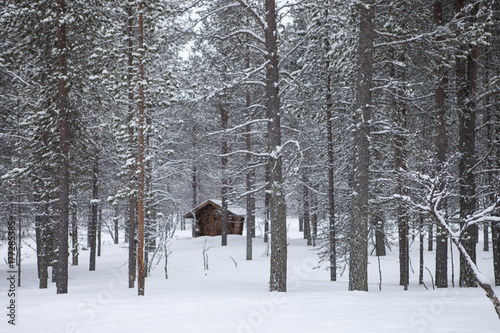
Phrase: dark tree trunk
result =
(466, 71)
(94, 208)
(250, 200)
(306, 210)
(399, 142)
(421, 250)
(140, 192)
(358, 259)
(277, 204)
(331, 162)
(486, 237)
(430, 239)
(41, 229)
(131, 171)
(441, 146)
(267, 205)
(53, 231)
(62, 232)
(314, 219)
(116, 221)
(495, 244)
(224, 116)
(194, 183)
(495, 102)
(99, 231)
(378, 222)
(74, 235)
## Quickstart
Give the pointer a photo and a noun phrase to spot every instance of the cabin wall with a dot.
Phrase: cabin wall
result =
(210, 222)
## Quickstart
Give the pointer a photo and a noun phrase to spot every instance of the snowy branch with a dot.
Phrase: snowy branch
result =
(260, 20)
(405, 41)
(432, 204)
(242, 32)
(241, 126)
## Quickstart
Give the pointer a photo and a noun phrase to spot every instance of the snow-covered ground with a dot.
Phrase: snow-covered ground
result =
(232, 296)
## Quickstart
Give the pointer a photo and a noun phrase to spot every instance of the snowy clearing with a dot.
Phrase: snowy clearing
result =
(232, 295)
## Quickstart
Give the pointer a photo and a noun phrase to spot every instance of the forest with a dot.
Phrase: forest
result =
(374, 123)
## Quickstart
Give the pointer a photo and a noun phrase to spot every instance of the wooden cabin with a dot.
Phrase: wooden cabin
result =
(208, 219)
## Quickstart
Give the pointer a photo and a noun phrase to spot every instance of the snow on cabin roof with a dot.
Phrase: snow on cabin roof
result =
(233, 209)
(238, 211)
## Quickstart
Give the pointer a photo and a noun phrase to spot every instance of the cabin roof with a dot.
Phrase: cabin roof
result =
(235, 210)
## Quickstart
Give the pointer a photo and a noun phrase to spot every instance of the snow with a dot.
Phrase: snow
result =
(235, 298)
(232, 208)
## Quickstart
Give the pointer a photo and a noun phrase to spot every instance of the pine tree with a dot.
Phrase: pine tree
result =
(358, 260)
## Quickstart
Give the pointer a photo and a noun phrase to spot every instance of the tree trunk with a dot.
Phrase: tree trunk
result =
(314, 219)
(466, 71)
(140, 193)
(378, 222)
(62, 246)
(441, 146)
(430, 239)
(267, 206)
(194, 184)
(99, 231)
(277, 204)
(306, 210)
(116, 221)
(74, 235)
(331, 162)
(41, 225)
(495, 227)
(131, 171)
(250, 200)
(224, 189)
(399, 142)
(358, 259)
(94, 208)
(421, 250)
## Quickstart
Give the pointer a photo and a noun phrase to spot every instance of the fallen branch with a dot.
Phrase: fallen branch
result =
(433, 200)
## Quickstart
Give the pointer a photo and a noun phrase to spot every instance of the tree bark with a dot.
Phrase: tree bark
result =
(358, 259)
(41, 225)
(194, 183)
(94, 208)
(140, 192)
(116, 221)
(131, 171)
(224, 189)
(306, 217)
(466, 71)
(495, 227)
(267, 206)
(74, 235)
(63, 225)
(421, 250)
(277, 205)
(99, 231)
(331, 162)
(250, 200)
(378, 222)
(399, 143)
(441, 144)
(314, 219)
